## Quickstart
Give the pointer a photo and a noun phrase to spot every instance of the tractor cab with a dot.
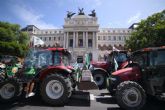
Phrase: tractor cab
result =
(143, 77)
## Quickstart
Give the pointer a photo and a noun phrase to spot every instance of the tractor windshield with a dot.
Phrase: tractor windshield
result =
(119, 57)
(61, 58)
(157, 58)
(38, 58)
(65, 60)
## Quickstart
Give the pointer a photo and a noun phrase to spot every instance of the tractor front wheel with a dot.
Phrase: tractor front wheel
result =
(130, 95)
(54, 90)
(100, 79)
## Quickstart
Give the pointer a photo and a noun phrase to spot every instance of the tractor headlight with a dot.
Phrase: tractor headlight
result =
(14, 70)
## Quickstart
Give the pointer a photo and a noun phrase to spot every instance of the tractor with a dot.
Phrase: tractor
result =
(54, 78)
(144, 76)
(9, 86)
(102, 70)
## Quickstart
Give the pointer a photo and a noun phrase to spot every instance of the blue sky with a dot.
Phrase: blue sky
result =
(51, 13)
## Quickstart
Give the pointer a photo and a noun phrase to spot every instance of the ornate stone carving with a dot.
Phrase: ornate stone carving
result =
(70, 14)
(81, 12)
(93, 13)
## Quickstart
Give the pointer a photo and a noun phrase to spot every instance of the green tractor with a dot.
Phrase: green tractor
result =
(9, 86)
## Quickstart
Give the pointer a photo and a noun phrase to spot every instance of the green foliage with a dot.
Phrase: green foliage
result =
(12, 40)
(149, 33)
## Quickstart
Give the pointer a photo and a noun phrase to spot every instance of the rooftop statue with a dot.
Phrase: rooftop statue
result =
(93, 13)
(70, 14)
(81, 12)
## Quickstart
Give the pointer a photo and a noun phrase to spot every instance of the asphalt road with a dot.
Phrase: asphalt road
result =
(86, 100)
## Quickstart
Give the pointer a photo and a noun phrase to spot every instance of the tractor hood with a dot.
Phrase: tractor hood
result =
(121, 71)
(61, 67)
(131, 73)
(103, 65)
(71, 68)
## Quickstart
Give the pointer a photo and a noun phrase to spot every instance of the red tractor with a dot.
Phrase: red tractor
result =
(143, 76)
(102, 70)
(54, 78)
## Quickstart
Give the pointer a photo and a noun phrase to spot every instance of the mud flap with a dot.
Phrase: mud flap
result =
(86, 81)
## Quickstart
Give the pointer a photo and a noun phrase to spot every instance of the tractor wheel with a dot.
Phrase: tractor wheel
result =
(9, 90)
(100, 79)
(54, 90)
(69, 86)
(130, 96)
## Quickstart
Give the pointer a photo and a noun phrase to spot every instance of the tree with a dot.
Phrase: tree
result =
(12, 40)
(149, 33)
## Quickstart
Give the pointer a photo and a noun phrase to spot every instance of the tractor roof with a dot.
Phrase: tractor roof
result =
(63, 50)
(150, 49)
(57, 49)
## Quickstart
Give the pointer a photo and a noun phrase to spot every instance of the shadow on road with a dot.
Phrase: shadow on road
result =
(151, 104)
(77, 99)
(80, 98)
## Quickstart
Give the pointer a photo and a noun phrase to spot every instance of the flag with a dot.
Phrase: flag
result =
(115, 49)
(36, 41)
(116, 64)
(87, 60)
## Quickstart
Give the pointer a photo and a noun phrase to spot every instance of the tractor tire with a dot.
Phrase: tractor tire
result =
(130, 95)
(69, 86)
(10, 89)
(54, 90)
(100, 79)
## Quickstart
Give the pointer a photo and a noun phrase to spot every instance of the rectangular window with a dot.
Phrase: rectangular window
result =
(98, 37)
(119, 37)
(109, 37)
(157, 58)
(54, 38)
(58, 38)
(80, 42)
(89, 42)
(114, 37)
(103, 37)
(70, 42)
(45, 38)
(57, 58)
(49, 38)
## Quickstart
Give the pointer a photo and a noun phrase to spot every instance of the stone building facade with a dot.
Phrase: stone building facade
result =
(80, 35)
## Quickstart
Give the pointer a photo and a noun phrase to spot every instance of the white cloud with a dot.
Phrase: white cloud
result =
(134, 18)
(30, 17)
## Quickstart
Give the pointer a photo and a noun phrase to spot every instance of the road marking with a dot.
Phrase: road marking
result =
(92, 97)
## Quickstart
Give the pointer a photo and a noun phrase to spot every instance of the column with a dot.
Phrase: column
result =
(86, 39)
(96, 40)
(93, 40)
(83, 39)
(74, 39)
(67, 39)
(64, 42)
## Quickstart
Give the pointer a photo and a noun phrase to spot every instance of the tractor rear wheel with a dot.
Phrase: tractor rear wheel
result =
(54, 90)
(130, 95)
(9, 90)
